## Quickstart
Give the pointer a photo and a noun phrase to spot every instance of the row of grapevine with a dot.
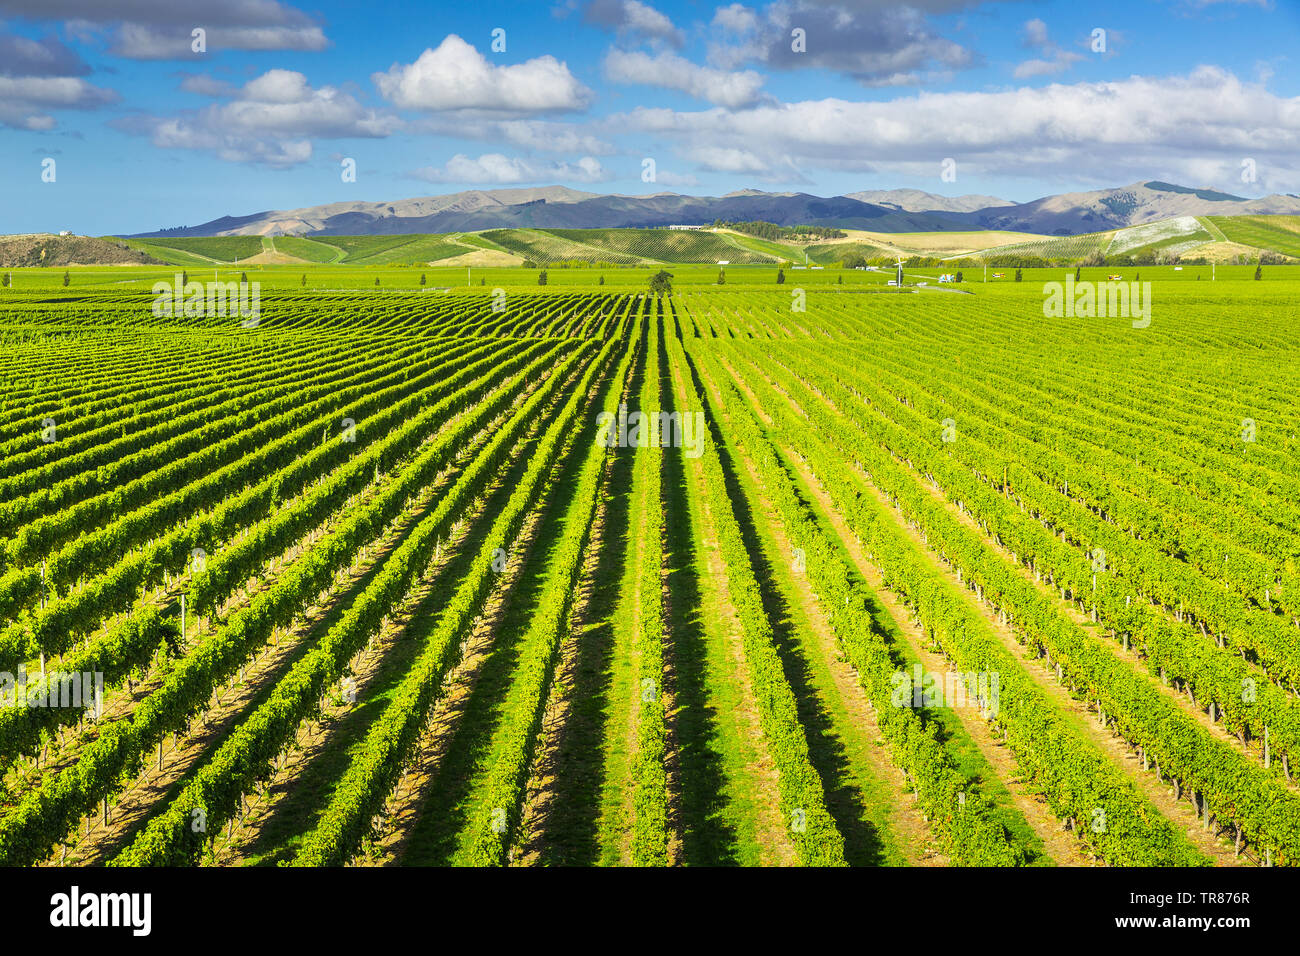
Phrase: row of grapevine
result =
(649, 770)
(802, 793)
(957, 810)
(1074, 776)
(130, 644)
(495, 818)
(215, 790)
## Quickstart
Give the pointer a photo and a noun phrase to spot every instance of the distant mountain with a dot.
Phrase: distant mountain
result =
(1073, 213)
(914, 200)
(897, 210)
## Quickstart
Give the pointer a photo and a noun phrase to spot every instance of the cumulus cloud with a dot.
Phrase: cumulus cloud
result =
(161, 29)
(456, 76)
(892, 47)
(22, 56)
(24, 100)
(498, 170)
(37, 76)
(672, 72)
(633, 20)
(138, 42)
(1051, 59)
(727, 159)
(273, 119)
(1183, 125)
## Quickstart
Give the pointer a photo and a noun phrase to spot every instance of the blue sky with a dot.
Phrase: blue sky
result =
(144, 132)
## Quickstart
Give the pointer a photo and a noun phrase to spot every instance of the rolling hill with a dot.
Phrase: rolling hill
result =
(889, 211)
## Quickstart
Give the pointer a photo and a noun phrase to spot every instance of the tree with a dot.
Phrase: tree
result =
(958, 276)
(423, 279)
(67, 279)
(722, 277)
(839, 279)
(8, 280)
(1019, 276)
(1259, 273)
(304, 280)
(243, 278)
(780, 276)
(376, 280)
(1076, 273)
(600, 281)
(661, 284)
(529, 264)
(541, 277)
(185, 278)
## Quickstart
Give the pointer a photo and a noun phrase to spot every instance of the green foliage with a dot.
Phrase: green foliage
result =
(661, 284)
(770, 230)
(223, 249)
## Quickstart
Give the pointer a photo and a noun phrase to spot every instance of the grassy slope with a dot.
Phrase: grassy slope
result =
(1275, 233)
(189, 251)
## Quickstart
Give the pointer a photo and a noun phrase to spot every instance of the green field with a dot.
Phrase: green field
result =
(1181, 237)
(402, 507)
(221, 249)
(1279, 234)
(668, 245)
(310, 250)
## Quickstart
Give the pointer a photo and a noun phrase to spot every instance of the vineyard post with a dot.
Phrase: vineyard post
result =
(182, 619)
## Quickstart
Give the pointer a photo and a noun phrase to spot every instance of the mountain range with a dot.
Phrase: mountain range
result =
(896, 210)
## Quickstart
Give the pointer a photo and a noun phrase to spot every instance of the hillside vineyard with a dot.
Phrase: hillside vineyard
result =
(585, 576)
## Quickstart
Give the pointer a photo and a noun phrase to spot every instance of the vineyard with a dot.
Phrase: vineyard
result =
(741, 575)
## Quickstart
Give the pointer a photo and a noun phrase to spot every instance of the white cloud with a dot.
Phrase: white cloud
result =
(1052, 59)
(670, 71)
(138, 42)
(633, 20)
(1035, 33)
(894, 45)
(737, 18)
(273, 120)
(456, 76)
(161, 29)
(727, 159)
(25, 99)
(498, 170)
(1152, 127)
(1060, 62)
